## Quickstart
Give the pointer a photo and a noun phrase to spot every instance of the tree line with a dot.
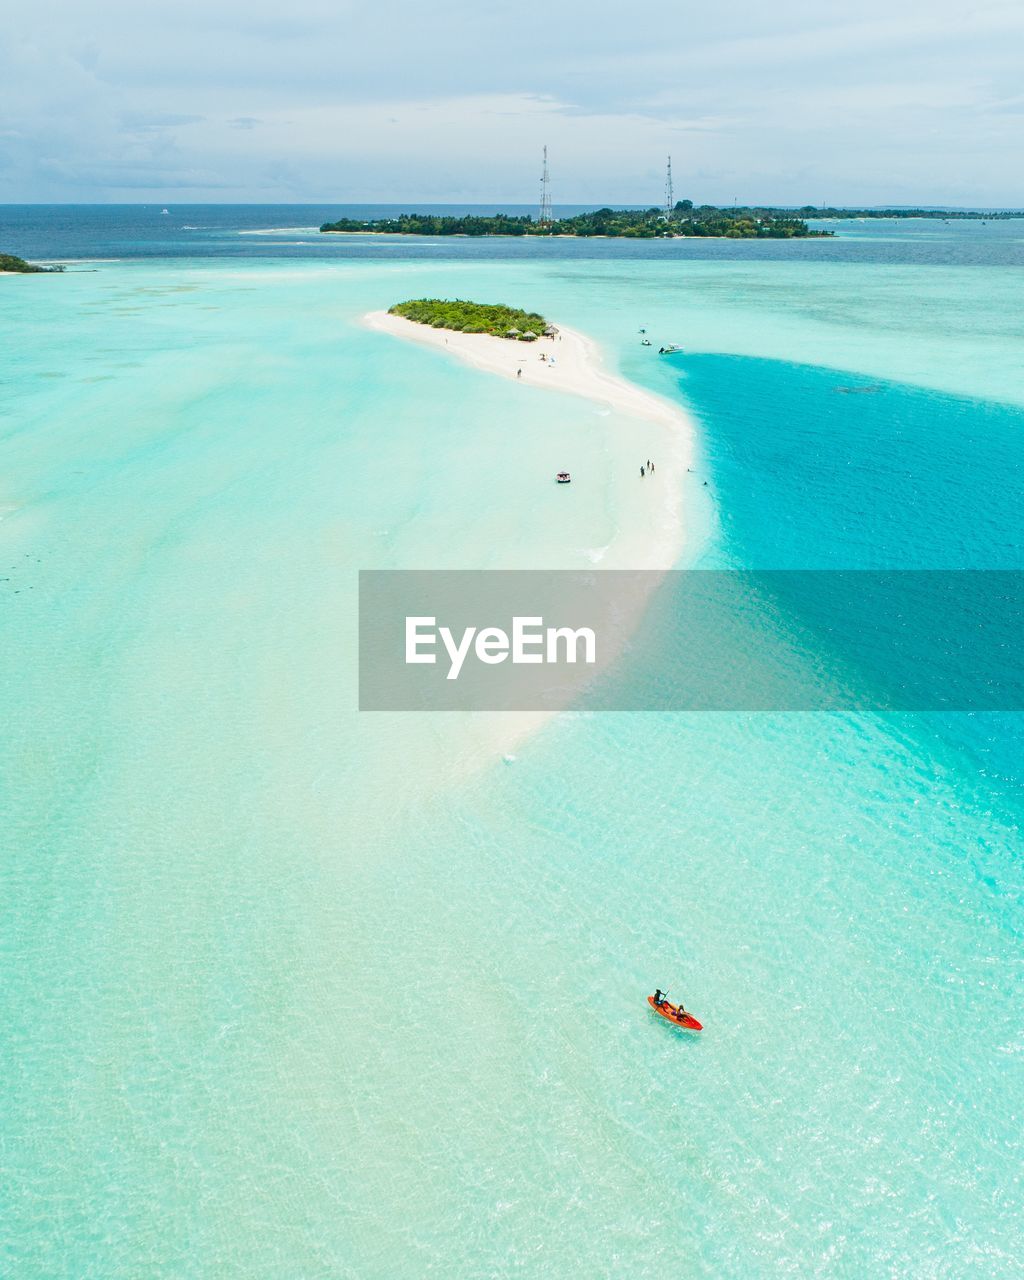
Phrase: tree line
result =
(473, 317)
(639, 224)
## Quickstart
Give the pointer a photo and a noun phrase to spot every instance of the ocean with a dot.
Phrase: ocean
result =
(295, 991)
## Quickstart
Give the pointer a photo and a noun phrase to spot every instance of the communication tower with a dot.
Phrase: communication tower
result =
(546, 217)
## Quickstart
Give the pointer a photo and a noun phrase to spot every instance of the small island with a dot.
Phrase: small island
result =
(495, 319)
(684, 219)
(634, 224)
(945, 215)
(9, 263)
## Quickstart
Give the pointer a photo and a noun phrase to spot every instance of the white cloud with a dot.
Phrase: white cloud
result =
(345, 101)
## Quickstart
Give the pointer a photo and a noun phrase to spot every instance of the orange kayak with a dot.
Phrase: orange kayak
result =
(672, 1013)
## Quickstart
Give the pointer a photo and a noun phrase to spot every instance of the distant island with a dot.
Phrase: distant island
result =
(743, 222)
(809, 211)
(9, 262)
(474, 317)
(634, 224)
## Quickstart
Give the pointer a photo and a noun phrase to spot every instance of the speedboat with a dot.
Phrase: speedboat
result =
(563, 477)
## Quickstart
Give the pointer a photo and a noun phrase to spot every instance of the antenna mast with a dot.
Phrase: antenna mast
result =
(670, 203)
(546, 217)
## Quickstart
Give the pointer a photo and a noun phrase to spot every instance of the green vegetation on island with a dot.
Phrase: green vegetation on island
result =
(741, 222)
(635, 224)
(473, 317)
(947, 215)
(8, 262)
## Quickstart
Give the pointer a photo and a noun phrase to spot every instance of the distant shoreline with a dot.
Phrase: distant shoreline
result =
(683, 219)
(558, 235)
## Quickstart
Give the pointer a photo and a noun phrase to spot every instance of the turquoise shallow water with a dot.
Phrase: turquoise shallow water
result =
(291, 991)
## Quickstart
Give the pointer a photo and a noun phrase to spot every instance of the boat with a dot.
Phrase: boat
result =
(165, 210)
(675, 1014)
(670, 350)
(563, 477)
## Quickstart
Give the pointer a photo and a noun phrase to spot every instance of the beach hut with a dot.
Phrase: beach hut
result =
(511, 333)
(528, 336)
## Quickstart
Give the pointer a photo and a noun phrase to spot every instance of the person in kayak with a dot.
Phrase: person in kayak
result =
(659, 996)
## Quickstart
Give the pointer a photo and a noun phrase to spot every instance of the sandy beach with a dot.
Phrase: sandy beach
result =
(652, 533)
(574, 365)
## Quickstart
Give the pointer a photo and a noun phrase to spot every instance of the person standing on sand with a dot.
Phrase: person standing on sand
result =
(650, 467)
(519, 373)
(641, 470)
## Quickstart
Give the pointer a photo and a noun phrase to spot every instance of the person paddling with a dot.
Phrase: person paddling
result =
(659, 996)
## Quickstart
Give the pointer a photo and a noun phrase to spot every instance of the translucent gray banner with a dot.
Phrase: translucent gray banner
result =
(750, 640)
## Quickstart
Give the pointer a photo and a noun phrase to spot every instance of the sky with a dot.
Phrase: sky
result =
(778, 101)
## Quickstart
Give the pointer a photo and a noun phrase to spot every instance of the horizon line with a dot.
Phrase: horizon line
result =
(581, 204)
